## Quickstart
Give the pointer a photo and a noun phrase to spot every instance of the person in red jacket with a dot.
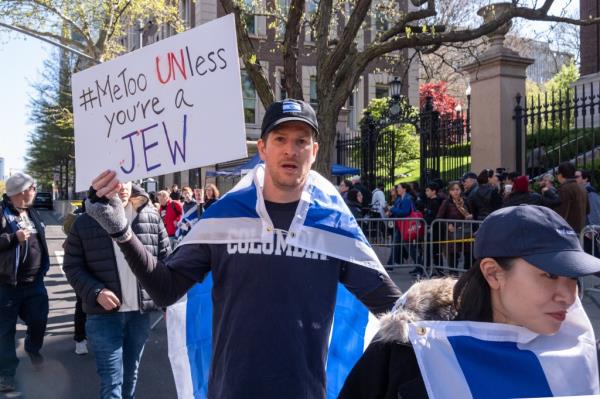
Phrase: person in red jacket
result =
(170, 212)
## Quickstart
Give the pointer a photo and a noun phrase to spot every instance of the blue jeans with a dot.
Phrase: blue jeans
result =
(30, 303)
(117, 340)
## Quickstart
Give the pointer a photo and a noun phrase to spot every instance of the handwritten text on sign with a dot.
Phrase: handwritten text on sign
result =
(171, 106)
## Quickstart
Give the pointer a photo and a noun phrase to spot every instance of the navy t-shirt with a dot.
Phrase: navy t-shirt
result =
(272, 311)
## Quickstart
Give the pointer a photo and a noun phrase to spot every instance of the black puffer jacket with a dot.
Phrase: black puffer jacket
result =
(389, 369)
(9, 244)
(484, 201)
(90, 263)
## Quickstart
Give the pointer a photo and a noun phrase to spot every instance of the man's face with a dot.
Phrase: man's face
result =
(468, 183)
(162, 199)
(26, 197)
(579, 178)
(560, 178)
(125, 193)
(288, 152)
(187, 195)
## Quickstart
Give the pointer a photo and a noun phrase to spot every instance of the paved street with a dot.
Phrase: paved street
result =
(66, 375)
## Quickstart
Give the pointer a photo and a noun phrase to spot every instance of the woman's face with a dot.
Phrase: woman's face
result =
(532, 298)
(359, 197)
(454, 191)
(208, 191)
(429, 193)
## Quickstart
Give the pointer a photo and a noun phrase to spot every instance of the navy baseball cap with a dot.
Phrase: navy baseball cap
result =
(286, 111)
(538, 235)
(469, 175)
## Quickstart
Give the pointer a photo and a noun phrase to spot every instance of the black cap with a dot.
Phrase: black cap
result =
(469, 175)
(538, 235)
(286, 111)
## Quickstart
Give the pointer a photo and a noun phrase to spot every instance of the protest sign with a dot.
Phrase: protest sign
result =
(171, 106)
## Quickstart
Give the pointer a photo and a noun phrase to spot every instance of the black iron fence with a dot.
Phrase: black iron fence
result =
(444, 147)
(558, 126)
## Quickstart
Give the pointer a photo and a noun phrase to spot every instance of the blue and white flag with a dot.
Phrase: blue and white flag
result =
(492, 360)
(323, 224)
(189, 218)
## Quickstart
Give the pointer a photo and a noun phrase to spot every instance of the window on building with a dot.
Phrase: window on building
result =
(185, 12)
(381, 21)
(249, 97)
(382, 91)
(250, 18)
(314, 101)
(311, 10)
(350, 104)
(284, 6)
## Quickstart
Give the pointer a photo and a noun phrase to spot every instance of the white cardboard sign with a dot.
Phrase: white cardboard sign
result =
(171, 106)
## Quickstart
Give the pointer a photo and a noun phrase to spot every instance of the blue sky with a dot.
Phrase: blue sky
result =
(22, 63)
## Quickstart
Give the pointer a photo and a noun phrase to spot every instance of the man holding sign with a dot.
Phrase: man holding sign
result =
(276, 247)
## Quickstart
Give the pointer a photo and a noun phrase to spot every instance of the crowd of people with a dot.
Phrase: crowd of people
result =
(273, 315)
(473, 197)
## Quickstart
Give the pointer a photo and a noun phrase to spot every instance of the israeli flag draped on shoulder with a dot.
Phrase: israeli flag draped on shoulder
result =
(493, 360)
(323, 224)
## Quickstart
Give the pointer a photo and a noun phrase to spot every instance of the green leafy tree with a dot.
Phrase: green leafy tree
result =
(51, 144)
(95, 27)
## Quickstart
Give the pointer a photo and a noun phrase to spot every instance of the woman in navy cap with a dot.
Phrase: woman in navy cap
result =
(524, 282)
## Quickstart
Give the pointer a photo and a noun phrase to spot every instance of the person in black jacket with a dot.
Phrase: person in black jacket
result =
(118, 322)
(530, 281)
(486, 199)
(24, 261)
(520, 194)
(432, 205)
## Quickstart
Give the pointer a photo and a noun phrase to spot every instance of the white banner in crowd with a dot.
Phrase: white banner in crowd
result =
(170, 106)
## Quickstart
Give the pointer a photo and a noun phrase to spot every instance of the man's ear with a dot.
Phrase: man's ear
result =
(261, 146)
(492, 272)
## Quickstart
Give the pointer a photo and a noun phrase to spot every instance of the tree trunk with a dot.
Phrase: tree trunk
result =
(327, 135)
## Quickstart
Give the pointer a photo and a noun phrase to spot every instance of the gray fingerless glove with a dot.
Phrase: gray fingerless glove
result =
(110, 215)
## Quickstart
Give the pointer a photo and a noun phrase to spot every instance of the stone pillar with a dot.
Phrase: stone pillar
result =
(496, 78)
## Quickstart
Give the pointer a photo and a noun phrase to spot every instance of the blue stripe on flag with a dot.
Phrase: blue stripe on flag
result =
(508, 372)
(347, 340)
(240, 203)
(199, 334)
(326, 213)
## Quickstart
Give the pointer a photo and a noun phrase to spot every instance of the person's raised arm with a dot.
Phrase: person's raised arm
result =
(165, 284)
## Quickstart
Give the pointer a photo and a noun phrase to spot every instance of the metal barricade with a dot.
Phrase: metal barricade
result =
(590, 242)
(398, 242)
(451, 245)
